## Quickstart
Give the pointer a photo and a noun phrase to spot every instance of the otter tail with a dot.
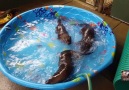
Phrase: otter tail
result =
(62, 74)
(65, 67)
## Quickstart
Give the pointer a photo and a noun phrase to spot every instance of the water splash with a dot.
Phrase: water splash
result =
(33, 55)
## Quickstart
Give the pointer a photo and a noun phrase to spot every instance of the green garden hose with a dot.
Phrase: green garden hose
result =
(88, 80)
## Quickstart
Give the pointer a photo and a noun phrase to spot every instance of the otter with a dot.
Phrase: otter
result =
(66, 57)
(65, 67)
(88, 35)
(62, 33)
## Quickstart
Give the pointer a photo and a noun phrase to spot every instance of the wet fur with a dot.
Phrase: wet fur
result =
(65, 60)
(88, 35)
(62, 33)
(65, 68)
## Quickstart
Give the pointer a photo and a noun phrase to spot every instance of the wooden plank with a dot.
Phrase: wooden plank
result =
(111, 21)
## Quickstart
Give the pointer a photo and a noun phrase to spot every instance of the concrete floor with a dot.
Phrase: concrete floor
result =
(99, 82)
(103, 81)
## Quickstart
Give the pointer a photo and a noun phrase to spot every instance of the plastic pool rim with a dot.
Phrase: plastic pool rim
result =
(63, 85)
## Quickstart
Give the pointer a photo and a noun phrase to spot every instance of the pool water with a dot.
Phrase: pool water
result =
(32, 53)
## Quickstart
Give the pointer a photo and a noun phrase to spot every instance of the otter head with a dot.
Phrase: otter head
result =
(85, 47)
(66, 38)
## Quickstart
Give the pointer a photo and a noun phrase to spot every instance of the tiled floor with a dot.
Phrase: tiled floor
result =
(103, 81)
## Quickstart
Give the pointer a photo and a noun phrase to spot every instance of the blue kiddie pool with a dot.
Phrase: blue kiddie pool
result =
(30, 50)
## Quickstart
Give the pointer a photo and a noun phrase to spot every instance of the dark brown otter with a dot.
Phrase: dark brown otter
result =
(65, 67)
(62, 33)
(88, 35)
